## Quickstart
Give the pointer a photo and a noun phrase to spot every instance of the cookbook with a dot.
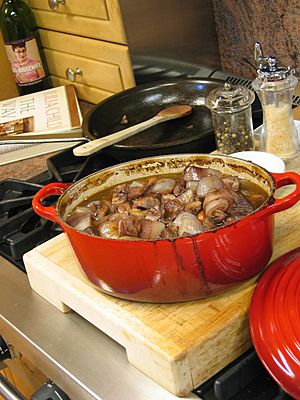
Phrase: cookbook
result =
(52, 115)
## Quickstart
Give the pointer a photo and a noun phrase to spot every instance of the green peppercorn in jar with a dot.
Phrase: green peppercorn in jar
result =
(232, 118)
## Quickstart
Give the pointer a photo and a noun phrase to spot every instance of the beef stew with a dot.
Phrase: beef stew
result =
(168, 206)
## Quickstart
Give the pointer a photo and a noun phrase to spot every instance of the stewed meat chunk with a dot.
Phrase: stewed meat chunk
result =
(166, 207)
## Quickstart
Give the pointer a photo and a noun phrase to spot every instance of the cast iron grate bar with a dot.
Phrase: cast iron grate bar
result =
(14, 203)
(87, 165)
(13, 224)
(20, 243)
(245, 379)
(9, 188)
(21, 229)
(24, 231)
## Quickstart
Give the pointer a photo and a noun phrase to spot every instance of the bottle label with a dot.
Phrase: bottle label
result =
(25, 60)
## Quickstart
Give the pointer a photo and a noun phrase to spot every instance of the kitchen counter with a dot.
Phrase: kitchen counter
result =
(24, 169)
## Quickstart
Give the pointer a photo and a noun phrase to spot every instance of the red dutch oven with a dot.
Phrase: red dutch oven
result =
(181, 269)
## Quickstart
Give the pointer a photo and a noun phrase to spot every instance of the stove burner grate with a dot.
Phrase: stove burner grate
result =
(245, 378)
(21, 229)
(74, 171)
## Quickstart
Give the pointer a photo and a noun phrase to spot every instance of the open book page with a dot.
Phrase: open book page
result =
(6, 148)
(29, 151)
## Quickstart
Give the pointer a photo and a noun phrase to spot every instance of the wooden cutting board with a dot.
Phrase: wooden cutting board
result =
(177, 345)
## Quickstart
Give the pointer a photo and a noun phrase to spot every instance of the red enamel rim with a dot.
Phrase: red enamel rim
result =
(275, 321)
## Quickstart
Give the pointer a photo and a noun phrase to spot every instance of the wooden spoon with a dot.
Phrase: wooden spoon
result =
(164, 115)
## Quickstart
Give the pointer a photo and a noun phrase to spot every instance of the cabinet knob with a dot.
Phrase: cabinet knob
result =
(71, 74)
(53, 4)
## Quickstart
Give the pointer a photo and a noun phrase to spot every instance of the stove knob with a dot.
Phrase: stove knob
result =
(50, 391)
(4, 350)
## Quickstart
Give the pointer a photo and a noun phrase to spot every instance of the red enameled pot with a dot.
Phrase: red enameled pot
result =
(182, 269)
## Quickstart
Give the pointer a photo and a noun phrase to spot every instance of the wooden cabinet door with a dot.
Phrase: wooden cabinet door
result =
(106, 67)
(99, 19)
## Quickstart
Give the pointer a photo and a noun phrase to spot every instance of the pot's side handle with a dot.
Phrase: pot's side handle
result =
(280, 204)
(49, 212)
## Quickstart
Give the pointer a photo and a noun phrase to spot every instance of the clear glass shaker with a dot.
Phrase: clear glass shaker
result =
(275, 87)
(232, 118)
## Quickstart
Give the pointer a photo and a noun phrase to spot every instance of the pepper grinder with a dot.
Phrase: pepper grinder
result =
(275, 86)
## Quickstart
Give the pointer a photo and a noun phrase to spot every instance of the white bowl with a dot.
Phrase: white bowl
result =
(268, 161)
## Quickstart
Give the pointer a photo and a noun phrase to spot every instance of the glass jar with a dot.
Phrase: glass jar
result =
(232, 118)
(275, 87)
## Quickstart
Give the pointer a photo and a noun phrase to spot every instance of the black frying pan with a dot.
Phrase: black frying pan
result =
(193, 133)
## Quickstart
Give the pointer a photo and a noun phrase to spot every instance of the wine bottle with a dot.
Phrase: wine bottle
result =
(23, 47)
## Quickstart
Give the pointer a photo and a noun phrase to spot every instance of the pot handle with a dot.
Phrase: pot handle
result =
(49, 212)
(280, 204)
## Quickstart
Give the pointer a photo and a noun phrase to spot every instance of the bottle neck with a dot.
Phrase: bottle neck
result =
(10, 3)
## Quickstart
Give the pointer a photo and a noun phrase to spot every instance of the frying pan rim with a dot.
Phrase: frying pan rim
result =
(141, 88)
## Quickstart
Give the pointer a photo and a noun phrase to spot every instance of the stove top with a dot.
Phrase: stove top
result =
(243, 379)
(21, 230)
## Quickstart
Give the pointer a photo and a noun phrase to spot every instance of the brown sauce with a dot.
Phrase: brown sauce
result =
(168, 206)
(249, 189)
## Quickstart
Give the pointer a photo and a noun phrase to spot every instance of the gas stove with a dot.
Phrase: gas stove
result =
(21, 230)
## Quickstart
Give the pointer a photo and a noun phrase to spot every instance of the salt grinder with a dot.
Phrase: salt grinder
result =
(231, 117)
(275, 86)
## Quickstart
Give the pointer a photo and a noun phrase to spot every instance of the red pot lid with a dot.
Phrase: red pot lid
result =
(275, 321)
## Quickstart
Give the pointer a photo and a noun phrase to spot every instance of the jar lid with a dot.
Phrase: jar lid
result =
(229, 99)
(275, 320)
(268, 69)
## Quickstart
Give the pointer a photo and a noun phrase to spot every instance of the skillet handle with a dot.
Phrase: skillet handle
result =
(49, 212)
(283, 179)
